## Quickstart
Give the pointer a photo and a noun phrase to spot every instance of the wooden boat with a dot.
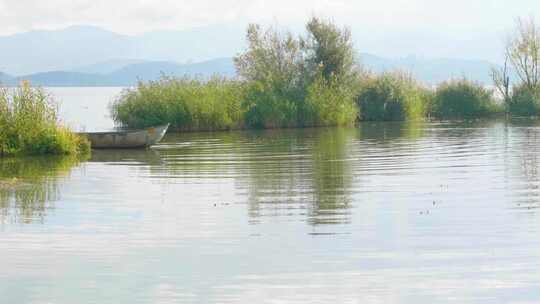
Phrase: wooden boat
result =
(124, 139)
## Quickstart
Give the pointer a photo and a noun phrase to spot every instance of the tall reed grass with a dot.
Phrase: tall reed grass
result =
(392, 96)
(29, 125)
(188, 104)
(464, 99)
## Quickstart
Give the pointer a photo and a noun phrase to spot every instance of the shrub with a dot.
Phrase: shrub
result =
(29, 125)
(188, 104)
(392, 96)
(328, 52)
(328, 104)
(271, 67)
(267, 106)
(524, 101)
(298, 82)
(463, 99)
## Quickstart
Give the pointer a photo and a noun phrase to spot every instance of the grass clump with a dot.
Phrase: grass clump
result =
(463, 99)
(394, 96)
(29, 125)
(188, 104)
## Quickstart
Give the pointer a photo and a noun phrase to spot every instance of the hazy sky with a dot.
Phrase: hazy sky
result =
(437, 20)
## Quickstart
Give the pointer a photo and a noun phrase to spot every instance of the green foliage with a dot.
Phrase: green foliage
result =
(392, 97)
(522, 59)
(328, 51)
(328, 104)
(188, 104)
(269, 107)
(463, 99)
(524, 101)
(293, 82)
(29, 125)
(272, 70)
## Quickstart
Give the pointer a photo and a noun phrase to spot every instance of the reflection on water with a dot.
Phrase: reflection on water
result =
(526, 135)
(29, 187)
(283, 172)
(381, 213)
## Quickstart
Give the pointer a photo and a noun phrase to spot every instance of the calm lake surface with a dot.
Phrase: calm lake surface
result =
(381, 213)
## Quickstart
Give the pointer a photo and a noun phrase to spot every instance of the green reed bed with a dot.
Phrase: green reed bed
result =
(464, 99)
(29, 125)
(188, 104)
(524, 101)
(392, 96)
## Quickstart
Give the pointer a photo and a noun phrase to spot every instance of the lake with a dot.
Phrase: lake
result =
(380, 213)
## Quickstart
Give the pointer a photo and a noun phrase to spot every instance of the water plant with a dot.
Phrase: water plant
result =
(463, 99)
(188, 104)
(524, 101)
(392, 96)
(29, 125)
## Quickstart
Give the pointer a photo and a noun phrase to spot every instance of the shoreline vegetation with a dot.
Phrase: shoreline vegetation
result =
(286, 81)
(29, 125)
(314, 80)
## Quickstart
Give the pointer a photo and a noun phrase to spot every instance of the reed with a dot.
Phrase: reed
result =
(29, 125)
(187, 104)
(464, 99)
(392, 96)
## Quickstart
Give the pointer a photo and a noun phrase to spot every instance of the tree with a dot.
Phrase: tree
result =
(272, 70)
(270, 55)
(303, 81)
(328, 50)
(523, 52)
(501, 80)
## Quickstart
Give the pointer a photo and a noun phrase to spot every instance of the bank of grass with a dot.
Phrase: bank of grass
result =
(464, 99)
(29, 125)
(187, 104)
(220, 104)
(392, 96)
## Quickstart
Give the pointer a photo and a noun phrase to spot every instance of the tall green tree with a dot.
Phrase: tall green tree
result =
(305, 81)
(272, 68)
(523, 51)
(330, 72)
(329, 50)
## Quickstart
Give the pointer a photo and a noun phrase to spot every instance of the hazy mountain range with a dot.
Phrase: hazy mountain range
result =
(90, 56)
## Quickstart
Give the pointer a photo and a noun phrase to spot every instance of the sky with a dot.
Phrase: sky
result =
(443, 22)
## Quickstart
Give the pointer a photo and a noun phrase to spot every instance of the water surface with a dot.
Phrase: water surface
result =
(381, 213)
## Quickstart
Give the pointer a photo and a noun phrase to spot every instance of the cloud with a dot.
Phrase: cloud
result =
(132, 16)
(471, 29)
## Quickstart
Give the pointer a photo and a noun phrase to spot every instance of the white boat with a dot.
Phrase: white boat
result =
(124, 139)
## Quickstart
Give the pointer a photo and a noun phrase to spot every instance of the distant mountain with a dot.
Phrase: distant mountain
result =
(82, 46)
(431, 70)
(126, 75)
(126, 72)
(106, 67)
(153, 70)
(39, 51)
(5, 79)
(93, 56)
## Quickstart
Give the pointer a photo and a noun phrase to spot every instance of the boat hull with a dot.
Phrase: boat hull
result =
(126, 139)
